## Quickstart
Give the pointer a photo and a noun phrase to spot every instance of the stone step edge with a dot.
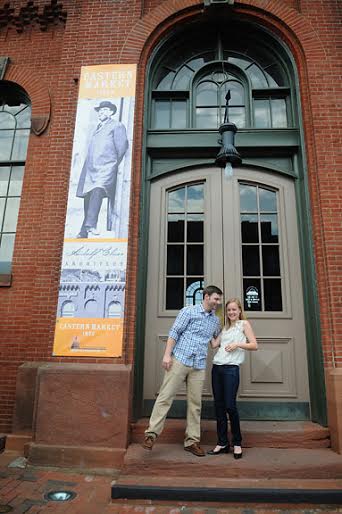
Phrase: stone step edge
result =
(226, 495)
(230, 483)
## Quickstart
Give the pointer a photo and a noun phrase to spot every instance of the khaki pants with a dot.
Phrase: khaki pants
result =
(173, 380)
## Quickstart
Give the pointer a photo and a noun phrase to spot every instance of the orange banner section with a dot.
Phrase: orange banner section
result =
(88, 337)
(107, 81)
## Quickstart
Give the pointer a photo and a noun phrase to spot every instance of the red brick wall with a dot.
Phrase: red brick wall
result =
(118, 31)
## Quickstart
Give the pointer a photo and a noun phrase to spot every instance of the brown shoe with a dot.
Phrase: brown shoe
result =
(148, 442)
(195, 449)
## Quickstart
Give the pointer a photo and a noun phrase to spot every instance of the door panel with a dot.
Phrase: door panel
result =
(249, 249)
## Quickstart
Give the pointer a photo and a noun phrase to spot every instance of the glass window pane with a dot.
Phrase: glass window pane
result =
(194, 291)
(248, 198)
(24, 117)
(269, 228)
(249, 228)
(175, 260)
(279, 116)
(179, 114)
(206, 94)
(16, 183)
(267, 200)
(182, 79)
(194, 260)
(276, 75)
(4, 176)
(175, 228)
(20, 145)
(6, 140)
(14, 109)
(207, 117)
(161, 114)
(270, 260)
(166, 81)
(256, 77)
(250, 260)
(262, 114)
(176, 200)
(252, 297)
(2, 210)
(237, 94)
(239, 61)
(174, 293)
(196, 63)
(6, 252)
(11, 214)
(272, 292)
(7, 120)
(237, 115)
(195, 228)
(195, 201)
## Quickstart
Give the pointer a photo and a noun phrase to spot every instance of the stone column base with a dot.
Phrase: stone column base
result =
(82, 415)
(76, 456)
(334, 402)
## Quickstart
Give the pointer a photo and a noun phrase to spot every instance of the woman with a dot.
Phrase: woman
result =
(235, 338)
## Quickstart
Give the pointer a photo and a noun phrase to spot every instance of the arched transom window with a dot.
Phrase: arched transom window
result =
(191, 81)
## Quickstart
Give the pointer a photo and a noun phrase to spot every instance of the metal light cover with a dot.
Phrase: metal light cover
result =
(60, 496)
(228, 152)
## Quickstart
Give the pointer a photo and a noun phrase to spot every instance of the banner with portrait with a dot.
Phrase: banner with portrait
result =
(91, 299)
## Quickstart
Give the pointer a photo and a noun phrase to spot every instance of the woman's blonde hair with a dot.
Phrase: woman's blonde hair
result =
(238, 303)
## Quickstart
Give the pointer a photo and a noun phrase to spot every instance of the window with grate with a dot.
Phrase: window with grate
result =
(15, 123)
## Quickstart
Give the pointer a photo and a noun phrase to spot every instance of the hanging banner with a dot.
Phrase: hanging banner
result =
(90, 311)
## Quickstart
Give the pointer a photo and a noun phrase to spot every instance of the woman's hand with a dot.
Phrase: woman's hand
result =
(231, 347)
(215, 342)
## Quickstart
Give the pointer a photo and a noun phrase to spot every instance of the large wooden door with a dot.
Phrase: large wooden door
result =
(239, 234)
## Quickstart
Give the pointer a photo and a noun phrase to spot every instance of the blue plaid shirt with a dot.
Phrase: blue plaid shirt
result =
(192, 330)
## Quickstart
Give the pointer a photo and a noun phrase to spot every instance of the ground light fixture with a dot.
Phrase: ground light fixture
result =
(60, 496)
(228, 156)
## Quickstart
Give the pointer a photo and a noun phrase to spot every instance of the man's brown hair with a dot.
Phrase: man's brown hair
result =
(209, 290)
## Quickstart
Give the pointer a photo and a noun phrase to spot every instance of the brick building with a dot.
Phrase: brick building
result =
(271, 234)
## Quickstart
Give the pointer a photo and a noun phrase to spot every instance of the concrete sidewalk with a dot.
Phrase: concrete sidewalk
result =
(23, 489)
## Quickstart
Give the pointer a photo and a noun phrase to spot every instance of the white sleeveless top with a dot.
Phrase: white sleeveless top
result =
(234, 334)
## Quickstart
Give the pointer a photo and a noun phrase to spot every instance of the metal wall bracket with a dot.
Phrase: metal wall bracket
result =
(208, 3)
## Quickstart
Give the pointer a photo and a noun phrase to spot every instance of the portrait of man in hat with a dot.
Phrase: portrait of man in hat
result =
(107, 147)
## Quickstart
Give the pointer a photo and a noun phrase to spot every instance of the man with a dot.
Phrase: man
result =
(185, 361)
(107, 147)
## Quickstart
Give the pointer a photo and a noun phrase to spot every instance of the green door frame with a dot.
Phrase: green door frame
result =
(279, 150)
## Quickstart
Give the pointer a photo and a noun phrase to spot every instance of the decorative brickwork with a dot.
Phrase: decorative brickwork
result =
(30, 14)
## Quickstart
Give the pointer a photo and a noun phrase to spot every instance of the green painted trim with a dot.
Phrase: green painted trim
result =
(139, 343)
(161, 167)
(270, 411)
(253, 144)
(311, 304)
(245, 138)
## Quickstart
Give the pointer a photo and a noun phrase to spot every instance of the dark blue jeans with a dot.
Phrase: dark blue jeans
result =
(225, 382)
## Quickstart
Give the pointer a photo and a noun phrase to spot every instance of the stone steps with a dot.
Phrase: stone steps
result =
(170, 460)
(269, 434)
